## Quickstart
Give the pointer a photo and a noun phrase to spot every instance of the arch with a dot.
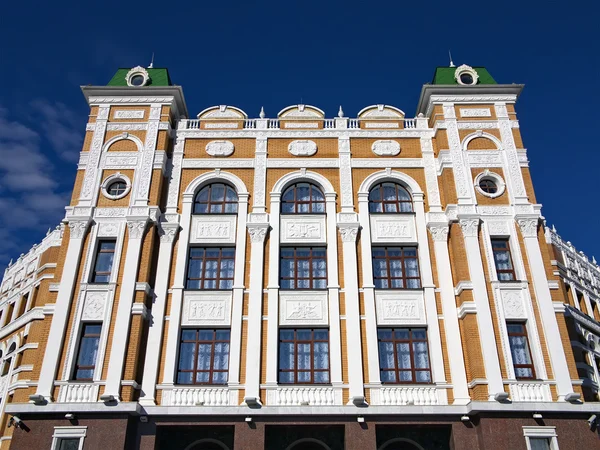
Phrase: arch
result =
(295, 444)
(480, 134)
(387, 444)
(124, 136)
(301, 112)
(310, 201)
(381, 112)
(216, 176)
(390, 175)
(222, 112)
(303, 175)
(219, 198)
(207, 441)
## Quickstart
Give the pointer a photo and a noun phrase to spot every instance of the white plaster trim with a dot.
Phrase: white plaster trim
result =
(139, 70)
(206, 163)
(112, 178)
(461, 286)
(486, 174)
(466, 308)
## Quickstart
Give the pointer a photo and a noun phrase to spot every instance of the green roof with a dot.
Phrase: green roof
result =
(445, 75)
(158, 77)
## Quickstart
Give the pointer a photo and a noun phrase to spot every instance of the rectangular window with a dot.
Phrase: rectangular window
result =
(396, 268)
(303, 356)
(88, 352)
(203, 356)
(303, 268)
(68, 438)
(210, 268)
(104, 262)
(540, 437)
(503, 260)
(519, 349)
(403, 355)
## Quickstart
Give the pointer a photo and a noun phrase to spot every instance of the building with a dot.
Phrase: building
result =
(301, 282)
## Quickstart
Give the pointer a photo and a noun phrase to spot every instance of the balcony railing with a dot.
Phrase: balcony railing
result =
(188, 396)
(405, 395)
(530, 392)
(304, 396)
(78, 393)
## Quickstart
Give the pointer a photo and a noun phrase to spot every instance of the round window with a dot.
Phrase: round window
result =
(137, 80)
(488, 186)
(466, 78)
(117, 188)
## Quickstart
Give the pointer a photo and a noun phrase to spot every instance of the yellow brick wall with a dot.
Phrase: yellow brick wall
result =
(481, 143)
(484, 199)
(104, 201)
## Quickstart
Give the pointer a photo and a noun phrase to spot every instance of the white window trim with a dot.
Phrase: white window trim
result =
(111, 179)
(541, 432)
(68, 433)
(496, 178)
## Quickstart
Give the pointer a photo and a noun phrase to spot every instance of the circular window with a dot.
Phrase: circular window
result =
(466, 78)
(466, 75)
(489, 184)
(138, 76)
(116, 186)
(137, 80)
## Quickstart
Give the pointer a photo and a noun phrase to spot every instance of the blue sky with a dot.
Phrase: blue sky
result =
(274, 54)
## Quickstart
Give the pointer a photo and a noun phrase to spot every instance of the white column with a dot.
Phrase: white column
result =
(348, 226)
(168, 232)
(120, 339)
(433, 326)
(470, 228)
(238, 293)
(257, 227)
(56, 335)
(177, 290)
(556, 352)
(439, 233)
(273, 291)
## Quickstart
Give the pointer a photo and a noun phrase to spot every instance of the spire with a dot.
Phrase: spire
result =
(451, 62)
(151, 62)
(341, 112)
(262, 112)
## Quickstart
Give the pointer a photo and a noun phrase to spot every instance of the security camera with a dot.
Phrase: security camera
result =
(592, 420)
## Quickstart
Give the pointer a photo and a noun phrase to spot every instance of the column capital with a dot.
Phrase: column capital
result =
(136, 227)
(348, 231)
(469, 225)
(439, 231)
(78, 228)
(168, 231)
(528, 225)
(258, 232)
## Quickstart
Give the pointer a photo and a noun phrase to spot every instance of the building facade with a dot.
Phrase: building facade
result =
(301, 282)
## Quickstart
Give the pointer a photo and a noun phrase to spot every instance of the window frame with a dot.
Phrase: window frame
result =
(197, 342)
(398, 202)
(297, 202)
(545, 432)
(525, 334)
(209, 203)
(296, 342)
(402, 259)
(94, 273)
(202, 275)
(296, 259)
(76, 366)
(395, 341)
(68, 432)
(507, 249)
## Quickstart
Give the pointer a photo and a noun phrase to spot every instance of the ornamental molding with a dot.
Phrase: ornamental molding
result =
(220, 148)
(348, 231)
(108, 229)
(258, 232)
(229, 125)
(136, 228)
(528, 227)
(302, 148)
(145, 170)
(94, 305)
(303, 163)
(78, 228)
(130, 100)
(205, 163)
(206, 308)
(139, 70)
(219, 229)
(303, 229)
(380, 112)
(113, 178)
(222, 112)
(393, 228)
(386, 148)
(299, 134)
(129, 114)
(496, 178)
(168, 232)
(386, 163)
(439, 232)
(127, 126)
(466, 69)
(498, 228)
(303, 308)
(484, 158)
(382, 125)
(470, 227)
(513, 304)
(122, 160)
(314, 125)
(110, 212)
(400, 307)
(465, 99)
(475, 112)
(494, 210)
(477, 125)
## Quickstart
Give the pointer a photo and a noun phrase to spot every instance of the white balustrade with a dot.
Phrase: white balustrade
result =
(191, 124)
(78, 393)
(196, 397)
(329, 123)
(353, 123)
(297, 396)
(396, 396)
(250, 123)
(273, 123)
(530, 392)
(410, 123)
(3, 385)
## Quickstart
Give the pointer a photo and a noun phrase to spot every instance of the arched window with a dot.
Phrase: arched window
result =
(389, 197)
(308, 444)
(303, 198)
(6, 366)
(216, 198)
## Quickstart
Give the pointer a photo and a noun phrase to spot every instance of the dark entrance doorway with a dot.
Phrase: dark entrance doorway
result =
(304, 437)
(413, 437)
(202, 437)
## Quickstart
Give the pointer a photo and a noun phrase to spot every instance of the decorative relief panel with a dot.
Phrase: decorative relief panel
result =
(305, 228)
(382, 125)
(213, 229)
(393, 228)
(386, 148)
(512, 301)
(123, 160)
(108, 229)
(302, 148)
(93, 307)
(401, 307)
(301, 125)
(498, 228)
(206, 308)
(127, 114)
(303, 308)
(475, 112)
(220, 148)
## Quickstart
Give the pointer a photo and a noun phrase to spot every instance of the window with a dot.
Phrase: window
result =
(488, 186)
(137, 80)
(540, 438)
(117, 188)
(303, 268)
(503, 260)
(466, 78)
(304, 356)
(68, 438)
(210, 268)
(396, 268)
(88, 352)
(104, 262)
(216, 198)
(303, 198)
(403, 355)
(203, 356)
(519, 349)
(389, 198)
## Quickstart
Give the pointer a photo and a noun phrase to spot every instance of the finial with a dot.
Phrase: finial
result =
(553, 228)
(341, 112)
(451, 62)
(151, 62)
(594, 260)
(10, 263)
(262, 112)
(49, 230)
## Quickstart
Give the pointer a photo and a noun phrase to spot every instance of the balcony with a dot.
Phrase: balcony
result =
(530, 392)
(194, 396)
(408, 395)
(304, 396)
(78, 393)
